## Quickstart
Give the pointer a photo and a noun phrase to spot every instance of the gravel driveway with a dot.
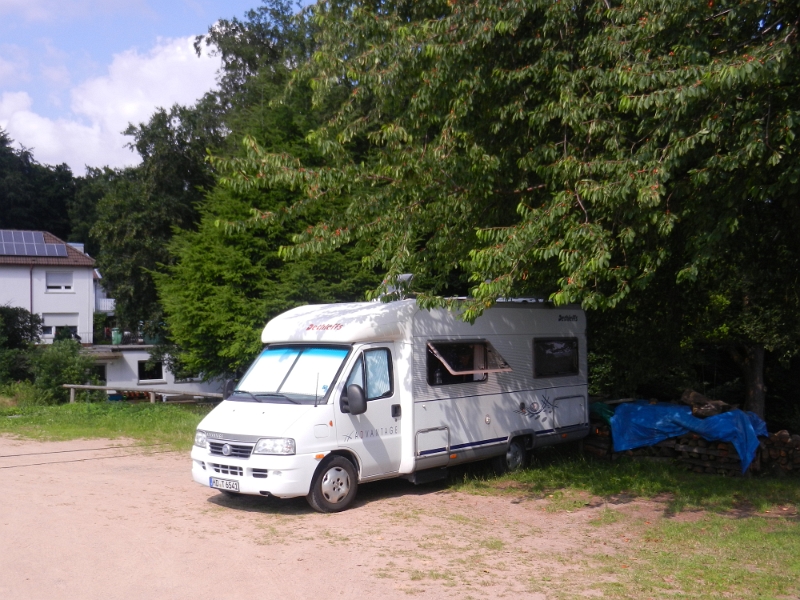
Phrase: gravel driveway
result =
(105, 519)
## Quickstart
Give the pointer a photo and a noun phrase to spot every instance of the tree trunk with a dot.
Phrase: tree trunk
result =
(751, 361)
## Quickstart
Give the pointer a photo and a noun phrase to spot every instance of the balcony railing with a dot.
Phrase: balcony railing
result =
(106, 305)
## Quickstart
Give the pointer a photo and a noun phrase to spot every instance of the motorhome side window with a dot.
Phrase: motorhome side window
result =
(378, 380)
(451, 363)
(555, 357)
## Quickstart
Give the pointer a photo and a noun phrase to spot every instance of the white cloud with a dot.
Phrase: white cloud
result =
(13, 64)
(135, 85)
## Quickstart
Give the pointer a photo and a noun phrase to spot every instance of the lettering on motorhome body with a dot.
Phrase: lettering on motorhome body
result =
(370, 433)
(324, 327)
(567, 317)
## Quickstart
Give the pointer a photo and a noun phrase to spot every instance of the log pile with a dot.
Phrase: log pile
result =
(779, 453)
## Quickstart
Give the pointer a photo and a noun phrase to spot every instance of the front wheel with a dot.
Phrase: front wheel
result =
(334, 486)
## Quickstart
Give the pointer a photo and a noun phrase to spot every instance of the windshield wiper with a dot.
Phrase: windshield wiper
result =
(276, 395)
(245, 393)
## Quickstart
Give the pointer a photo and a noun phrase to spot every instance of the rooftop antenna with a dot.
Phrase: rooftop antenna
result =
(398, 290)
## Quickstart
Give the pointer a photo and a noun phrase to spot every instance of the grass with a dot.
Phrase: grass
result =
(148, 423)
(715, 557)
(565, 477)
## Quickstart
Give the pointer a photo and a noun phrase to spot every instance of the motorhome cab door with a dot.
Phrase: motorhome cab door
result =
(374, 435)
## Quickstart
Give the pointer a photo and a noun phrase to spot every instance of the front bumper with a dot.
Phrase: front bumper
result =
(260, 474)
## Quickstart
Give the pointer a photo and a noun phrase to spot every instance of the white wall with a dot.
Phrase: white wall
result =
(60, 307)
(15, 286)
(124, 372)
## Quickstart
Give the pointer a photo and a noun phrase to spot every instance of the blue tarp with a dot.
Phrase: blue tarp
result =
(637, 424)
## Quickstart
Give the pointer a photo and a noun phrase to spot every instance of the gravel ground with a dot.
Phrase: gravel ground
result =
(106, 519)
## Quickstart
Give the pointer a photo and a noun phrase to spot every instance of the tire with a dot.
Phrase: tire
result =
(334, 486)
(514, 459)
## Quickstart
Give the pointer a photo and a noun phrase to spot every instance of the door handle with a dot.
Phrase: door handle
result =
(396, 411)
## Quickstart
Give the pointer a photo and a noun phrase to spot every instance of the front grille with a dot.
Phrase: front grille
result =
(260, 473)
(237, 450)
(227, 469)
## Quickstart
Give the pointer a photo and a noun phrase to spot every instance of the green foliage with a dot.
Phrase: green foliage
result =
(532, 140)
(19, 330)
(147, 423)
(33, 196)
(141, 207)
(572, 149)
(24, 393)
(59, 363)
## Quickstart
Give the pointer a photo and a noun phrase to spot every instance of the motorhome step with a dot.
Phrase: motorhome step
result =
(427, 476)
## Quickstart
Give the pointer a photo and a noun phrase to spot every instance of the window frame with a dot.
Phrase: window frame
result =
(151, 380)
(489, 351)
(62, 288)
(361, 360)
(577, 369)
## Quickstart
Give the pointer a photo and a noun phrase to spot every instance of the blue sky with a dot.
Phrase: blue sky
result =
(73, 73)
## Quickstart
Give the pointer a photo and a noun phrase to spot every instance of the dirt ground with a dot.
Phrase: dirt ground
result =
(106, 519)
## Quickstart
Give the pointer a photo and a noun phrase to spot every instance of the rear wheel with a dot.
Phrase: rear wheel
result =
(514, 459)
(334, 486)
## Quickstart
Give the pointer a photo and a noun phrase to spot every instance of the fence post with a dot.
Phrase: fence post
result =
(72, 395)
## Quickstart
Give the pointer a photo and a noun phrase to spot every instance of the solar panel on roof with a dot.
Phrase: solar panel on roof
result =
(28, 243)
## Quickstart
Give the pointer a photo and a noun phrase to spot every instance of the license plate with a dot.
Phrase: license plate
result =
(223, 484)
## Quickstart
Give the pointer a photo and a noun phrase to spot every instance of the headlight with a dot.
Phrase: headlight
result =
(274, 446)
(200, 438)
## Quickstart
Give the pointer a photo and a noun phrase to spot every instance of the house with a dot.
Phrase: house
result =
(129, 367)
(48, 277)
(58, 281)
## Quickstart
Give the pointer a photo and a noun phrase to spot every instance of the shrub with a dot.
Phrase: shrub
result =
(59, 363)
(23, 393)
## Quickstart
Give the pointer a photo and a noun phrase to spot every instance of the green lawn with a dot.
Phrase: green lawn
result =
(148, 423)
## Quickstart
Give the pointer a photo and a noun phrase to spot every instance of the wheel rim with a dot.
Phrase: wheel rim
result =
(335, 485)
(514, 457)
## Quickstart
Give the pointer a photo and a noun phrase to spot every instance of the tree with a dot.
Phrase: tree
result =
(141, 206)
(19, 331)
(574, 149)
(225, 284)
(33, 196)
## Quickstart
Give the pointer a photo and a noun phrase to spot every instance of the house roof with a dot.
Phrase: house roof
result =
(74, 258)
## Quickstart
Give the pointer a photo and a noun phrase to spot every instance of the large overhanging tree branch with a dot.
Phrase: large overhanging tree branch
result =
(536, 145)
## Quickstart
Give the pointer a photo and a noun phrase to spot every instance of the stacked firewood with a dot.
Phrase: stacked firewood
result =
(779, 453)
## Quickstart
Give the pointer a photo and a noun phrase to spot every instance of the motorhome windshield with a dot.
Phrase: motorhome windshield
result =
(291, 374)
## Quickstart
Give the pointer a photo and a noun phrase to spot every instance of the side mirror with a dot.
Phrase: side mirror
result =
(227, 388)
(356, 400)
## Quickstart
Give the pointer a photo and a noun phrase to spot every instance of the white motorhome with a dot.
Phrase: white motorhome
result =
(348, 393)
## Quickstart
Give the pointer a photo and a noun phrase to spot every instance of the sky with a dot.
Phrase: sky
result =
(74, 73)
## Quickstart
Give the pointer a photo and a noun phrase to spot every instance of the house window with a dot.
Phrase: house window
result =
(555, 357)
(67, 332)
(99, 371)
(47, 330)
(450, 363)
(59, 281)
(153, 372)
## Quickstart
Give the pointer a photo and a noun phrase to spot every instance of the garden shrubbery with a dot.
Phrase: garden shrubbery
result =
(34, 375)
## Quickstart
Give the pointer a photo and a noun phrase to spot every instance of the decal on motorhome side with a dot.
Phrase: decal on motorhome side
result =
(567, 317)
(369, 433)
(537, 407)
(324, 327)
